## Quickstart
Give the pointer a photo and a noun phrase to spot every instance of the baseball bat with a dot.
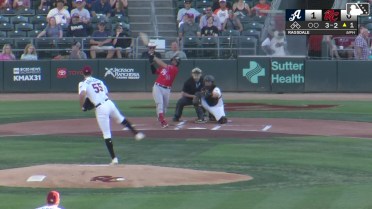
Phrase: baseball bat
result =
(144, 38)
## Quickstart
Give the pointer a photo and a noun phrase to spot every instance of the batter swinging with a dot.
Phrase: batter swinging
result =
(163, 83)
(97, 92)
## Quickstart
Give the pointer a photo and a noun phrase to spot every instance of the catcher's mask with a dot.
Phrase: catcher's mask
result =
(177, 59)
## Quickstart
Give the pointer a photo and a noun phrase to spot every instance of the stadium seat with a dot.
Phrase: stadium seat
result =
(7, 12)
(253, 25)
(5, 41)
(247, 45)
(6, 27)
(119, 18)
(189, 46)
(17, 34)
(37, 19)
(33, 33)
(25, 12)
(253, 33)
(18, 19)
(42, 12)
(260, 19)
(20, 43)
(40, 26)
(97, 19)
(4, 19)
(2, 34)
(230, 33)
(228, 46)
(209, 45)
(203, 4)
(24, 27)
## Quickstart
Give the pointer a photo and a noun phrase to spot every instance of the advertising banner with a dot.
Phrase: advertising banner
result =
(66, 74)
(123, 75)
(253, 74)
(26, 76)
(224, 72)
(1, 77)
(354, 76)
(287, 74)
(321, 76)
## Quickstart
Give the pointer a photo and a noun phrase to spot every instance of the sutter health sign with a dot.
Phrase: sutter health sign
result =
(287, 74)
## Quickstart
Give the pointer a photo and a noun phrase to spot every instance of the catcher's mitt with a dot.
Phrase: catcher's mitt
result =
(88, 105)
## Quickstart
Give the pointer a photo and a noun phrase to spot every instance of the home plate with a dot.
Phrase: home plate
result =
(36, 178)
(195, 128)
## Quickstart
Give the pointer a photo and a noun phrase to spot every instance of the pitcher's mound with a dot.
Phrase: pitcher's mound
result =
(105, 176)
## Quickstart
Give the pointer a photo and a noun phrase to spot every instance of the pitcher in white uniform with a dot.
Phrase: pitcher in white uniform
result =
(97, 92)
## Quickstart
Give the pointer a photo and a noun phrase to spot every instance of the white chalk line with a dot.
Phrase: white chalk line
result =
(216, 128)
(267, 127)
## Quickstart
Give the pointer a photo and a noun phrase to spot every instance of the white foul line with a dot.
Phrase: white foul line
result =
(267, 127)
(216, 128)
(180, 125)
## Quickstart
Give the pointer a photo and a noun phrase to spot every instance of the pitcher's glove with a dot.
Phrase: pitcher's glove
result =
(88, 105)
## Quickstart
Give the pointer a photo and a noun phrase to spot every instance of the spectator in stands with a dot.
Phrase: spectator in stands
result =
(101, 41)
(210, 29)
(241, 9)
(151, 50)
(52, 29)
(77, 28)
(361, 49)
(186, 10)
(61, 15)
(45, 4)
(114, 2)
(340, 46)
(83, 13)
(75, 53)
(29, 53)
(222, 12)
(315, 46)
(216, 5)
(19, 4)
(101, 7)
(122, 41)
(5, 4)
(232, 23)
(88, 4)
(67, 4)
(175, 51)
(189, 28)
(119, 9)
(261, 8)
(7, 53)
(209, 13)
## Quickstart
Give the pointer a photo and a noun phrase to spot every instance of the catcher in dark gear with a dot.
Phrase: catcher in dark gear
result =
(210, 99)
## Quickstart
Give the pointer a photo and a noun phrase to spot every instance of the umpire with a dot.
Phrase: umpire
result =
(190, 87)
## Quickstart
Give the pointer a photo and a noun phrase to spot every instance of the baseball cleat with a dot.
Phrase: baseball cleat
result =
(114, 161)
(200, 121)
(139, 136)
(164, 124)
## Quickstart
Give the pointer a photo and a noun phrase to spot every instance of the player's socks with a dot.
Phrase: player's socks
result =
(129, 126)
(110, 148)
(161, 117)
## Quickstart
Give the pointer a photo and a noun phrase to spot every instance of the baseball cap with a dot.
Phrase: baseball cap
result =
(190, 15)
(53, 198)
(102, 22)
(87, 70)
(196, 70)
(222, 1)
(78, 1)
(151, 44)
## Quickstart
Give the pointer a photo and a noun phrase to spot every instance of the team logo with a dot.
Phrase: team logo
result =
(61, 73)
(361, 9)
(295, 15)
(253, 72)
(107, 179)
(121, 73)
(331, 15)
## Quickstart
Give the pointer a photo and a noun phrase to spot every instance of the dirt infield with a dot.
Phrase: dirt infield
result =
(103, 176)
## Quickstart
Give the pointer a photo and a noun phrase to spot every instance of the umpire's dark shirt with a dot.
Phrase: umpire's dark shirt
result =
(191, 87)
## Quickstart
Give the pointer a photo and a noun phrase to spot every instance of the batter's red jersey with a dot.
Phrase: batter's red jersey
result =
(166, 75)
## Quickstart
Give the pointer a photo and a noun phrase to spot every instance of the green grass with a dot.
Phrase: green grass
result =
(289, 172)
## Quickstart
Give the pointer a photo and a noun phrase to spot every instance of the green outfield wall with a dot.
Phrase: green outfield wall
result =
(245, 74)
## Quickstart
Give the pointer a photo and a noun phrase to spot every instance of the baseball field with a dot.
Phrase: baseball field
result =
(278, 151)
